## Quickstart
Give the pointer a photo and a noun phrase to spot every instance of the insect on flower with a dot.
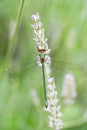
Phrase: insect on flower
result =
(43, 61)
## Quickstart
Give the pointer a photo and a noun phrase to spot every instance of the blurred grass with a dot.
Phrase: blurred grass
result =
(15, 30)
(65, 24)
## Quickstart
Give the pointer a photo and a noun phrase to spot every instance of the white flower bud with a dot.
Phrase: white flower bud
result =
(35, 17)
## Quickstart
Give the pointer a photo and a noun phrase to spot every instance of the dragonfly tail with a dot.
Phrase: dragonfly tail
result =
(44, 84)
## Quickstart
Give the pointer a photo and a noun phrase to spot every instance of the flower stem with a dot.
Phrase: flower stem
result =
(13, 37)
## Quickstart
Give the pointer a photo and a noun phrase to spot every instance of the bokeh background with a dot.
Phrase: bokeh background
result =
(21, 87)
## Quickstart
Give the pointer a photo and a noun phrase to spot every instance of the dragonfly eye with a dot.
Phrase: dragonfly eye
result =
(44, 50)
(39, 50)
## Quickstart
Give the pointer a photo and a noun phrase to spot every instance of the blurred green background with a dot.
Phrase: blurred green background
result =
(21, 91)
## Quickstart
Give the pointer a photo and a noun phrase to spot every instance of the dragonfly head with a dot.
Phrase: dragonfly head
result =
(41, 50)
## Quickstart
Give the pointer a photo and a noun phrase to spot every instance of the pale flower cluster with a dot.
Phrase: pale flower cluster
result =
(53, 108)
(39, 38)
(38, 33)
(69, 92)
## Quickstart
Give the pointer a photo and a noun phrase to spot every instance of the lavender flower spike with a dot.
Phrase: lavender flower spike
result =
(44, 60)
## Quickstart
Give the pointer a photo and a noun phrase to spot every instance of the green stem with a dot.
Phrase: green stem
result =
(12, 39)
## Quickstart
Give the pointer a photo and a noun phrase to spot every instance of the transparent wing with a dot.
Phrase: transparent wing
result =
(62, 67)
(58, 68)
(20, 70)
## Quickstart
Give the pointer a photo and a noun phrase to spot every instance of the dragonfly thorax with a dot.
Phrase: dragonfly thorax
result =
(42, 57)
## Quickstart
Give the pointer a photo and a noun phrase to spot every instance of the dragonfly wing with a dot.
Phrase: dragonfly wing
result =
(20, 70)
(63, 67)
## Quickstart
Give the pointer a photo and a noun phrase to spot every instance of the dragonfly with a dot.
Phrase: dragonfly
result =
(42, 57)
(42, 60)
